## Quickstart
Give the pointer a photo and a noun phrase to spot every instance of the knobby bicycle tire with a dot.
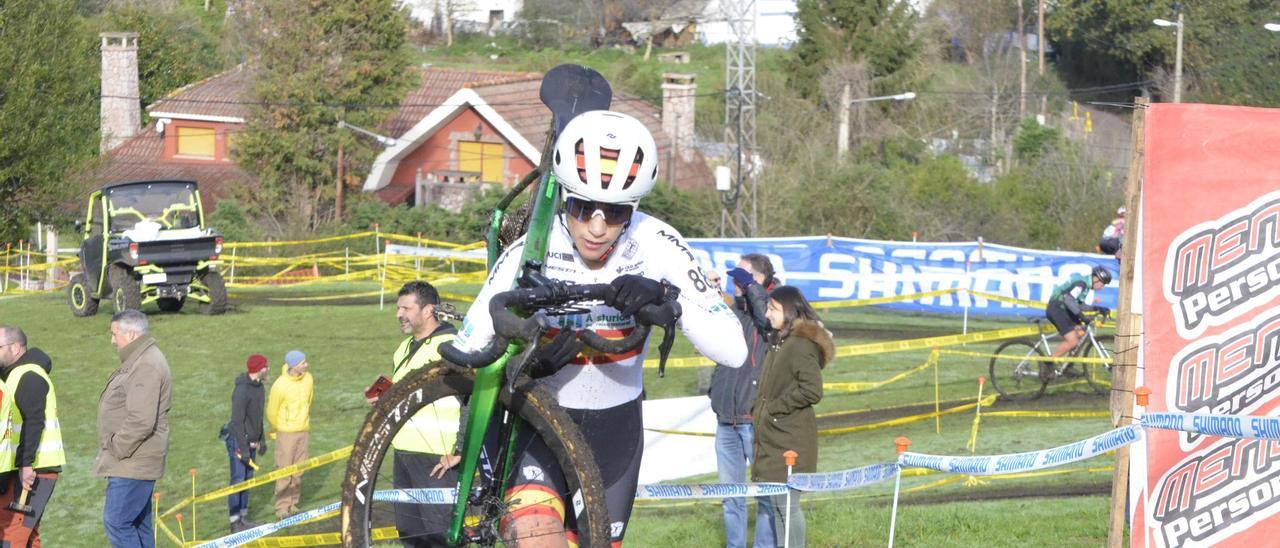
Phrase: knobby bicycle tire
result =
(1098, 375)
(533, 404)
(1008, 382)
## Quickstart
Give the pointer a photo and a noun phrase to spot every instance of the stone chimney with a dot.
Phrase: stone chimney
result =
(677, 112)
(121, 116)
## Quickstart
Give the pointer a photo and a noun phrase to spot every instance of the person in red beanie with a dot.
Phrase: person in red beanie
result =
(245, 436)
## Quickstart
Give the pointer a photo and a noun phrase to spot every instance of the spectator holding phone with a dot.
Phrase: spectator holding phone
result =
(426, 447)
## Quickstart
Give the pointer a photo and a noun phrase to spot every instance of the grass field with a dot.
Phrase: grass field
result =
(349, 343)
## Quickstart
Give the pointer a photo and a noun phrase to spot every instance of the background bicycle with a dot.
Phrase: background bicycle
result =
(1022, 369)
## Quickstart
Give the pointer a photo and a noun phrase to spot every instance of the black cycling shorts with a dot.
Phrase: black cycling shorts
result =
(616, 438)
(1061, 317)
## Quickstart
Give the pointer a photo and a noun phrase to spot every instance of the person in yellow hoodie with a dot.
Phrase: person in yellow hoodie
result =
(289, 410)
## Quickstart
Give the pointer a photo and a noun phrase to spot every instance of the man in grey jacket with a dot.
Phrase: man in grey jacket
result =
(133, 431)
(733, 391)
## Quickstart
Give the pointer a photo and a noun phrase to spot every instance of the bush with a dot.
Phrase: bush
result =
(230, 219)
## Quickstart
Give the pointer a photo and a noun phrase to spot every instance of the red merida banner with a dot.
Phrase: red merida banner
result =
(1210, 277)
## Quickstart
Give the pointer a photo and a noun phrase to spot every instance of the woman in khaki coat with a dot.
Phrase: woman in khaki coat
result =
(783, 415)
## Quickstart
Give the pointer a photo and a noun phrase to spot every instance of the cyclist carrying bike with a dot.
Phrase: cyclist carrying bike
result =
(1067, 306)
(606, 163)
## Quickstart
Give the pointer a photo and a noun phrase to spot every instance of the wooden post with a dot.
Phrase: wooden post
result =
(1128, 329)
(337, 196)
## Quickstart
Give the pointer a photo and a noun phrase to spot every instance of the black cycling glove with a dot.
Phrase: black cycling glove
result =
(631, 292)
(1102, 311)
(548, 358)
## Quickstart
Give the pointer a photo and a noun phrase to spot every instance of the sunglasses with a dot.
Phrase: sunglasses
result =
(583, 210)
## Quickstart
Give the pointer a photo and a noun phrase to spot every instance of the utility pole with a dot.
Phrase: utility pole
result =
(1022, 64)
(842, 139)
(1177, 62)
(1044, 99)
(739, 203)
(1177, 70)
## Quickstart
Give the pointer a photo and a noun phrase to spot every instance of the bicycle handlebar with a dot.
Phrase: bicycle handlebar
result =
(549, 293)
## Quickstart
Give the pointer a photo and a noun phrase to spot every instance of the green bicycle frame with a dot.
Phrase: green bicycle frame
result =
(484, 396)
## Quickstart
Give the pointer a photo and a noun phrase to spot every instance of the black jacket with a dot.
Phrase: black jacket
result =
(247, 401)
(30, 398)
(733, 389)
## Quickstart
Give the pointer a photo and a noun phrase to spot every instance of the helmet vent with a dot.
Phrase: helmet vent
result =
(635, 169)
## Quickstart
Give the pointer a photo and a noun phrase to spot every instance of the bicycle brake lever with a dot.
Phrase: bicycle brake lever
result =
(664, 349)
(513, 373)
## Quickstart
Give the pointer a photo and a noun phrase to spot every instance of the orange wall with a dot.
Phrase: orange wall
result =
(440, 151)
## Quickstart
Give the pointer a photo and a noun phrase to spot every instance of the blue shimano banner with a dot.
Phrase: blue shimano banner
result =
(836, 269)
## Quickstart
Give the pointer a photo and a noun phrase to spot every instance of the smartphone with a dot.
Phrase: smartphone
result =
(378, 387)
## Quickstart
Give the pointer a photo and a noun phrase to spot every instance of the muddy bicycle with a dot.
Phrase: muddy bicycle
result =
(1021, 370)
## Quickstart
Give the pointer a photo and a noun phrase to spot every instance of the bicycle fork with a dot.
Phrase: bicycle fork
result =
(484, 399)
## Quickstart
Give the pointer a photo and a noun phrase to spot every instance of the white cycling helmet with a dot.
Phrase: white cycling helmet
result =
(606, 157)
(1120, 211)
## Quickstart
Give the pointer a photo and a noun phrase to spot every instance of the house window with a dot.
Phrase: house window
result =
(196, 142)
(482, 158)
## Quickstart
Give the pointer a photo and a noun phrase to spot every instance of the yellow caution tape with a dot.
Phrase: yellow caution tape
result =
(321, 539)
(264, 479)
(691, 361)
(820, 305)
(165, 529)
(678, 432)
(862, 386)
(1049, 414)
(1010, 300)
(930, 342)
(1039, 358)
(904, 420)
(887, 346)
(248, 245)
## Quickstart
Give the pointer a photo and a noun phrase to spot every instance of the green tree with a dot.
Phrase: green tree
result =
(841, 32)
(48, 108)
(1115, 40)
(176, 46)
(318, 62)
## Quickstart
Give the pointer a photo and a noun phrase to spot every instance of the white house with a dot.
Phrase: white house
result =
(707, 21)
(476, 15)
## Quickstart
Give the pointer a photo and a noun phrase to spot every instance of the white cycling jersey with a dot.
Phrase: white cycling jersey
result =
(649, 248)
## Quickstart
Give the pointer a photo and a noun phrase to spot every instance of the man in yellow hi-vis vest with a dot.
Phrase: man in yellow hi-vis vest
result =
(426, 447)
(31, 454)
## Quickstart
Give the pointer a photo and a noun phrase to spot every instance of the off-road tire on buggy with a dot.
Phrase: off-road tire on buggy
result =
(217, 293)
(81, 297)
(126, 290)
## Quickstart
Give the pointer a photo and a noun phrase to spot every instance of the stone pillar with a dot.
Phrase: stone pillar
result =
(677, 112)
(121, 115)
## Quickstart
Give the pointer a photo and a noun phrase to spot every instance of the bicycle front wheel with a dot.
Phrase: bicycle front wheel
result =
(428, 401)
(1015, 371)
(1098, 374)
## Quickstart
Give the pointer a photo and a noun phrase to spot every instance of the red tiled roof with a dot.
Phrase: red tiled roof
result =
(142, 158)
(436, 85)
(514, 95)
(226, 94)
(517, 101)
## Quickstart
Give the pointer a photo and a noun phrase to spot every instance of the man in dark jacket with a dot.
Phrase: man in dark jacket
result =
(245, 436)
(33, 413)
(733, 391)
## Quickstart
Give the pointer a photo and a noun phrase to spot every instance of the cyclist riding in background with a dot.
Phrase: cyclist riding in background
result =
(606, 162)
(1068, 304)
